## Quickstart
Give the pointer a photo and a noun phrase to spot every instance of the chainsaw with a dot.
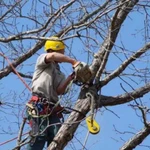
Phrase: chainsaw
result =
(82, 73)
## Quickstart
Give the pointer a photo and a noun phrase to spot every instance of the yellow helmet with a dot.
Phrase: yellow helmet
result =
(54, 43)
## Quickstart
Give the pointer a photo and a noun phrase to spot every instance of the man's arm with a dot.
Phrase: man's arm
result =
(58, 57)
(62, 87)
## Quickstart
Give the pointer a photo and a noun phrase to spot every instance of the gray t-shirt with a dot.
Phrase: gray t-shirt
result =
(46, 78)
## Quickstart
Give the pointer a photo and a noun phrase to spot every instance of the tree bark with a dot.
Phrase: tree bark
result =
(68, 129)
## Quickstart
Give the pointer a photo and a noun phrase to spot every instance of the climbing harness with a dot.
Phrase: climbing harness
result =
(39, 110)
(41, 107)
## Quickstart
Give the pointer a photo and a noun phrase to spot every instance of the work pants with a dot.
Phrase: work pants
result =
(38, 125)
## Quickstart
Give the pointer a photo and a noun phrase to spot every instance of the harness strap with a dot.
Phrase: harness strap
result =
(40, 106)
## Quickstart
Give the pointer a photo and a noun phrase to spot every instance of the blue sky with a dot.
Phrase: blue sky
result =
(127, 120)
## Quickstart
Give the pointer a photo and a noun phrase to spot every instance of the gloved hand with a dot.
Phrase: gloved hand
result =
(76, 64)
(82, 72)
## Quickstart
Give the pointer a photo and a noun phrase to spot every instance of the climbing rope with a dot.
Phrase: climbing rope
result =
(26, 85)
(92, 125)
(3, 143)
(13, 68)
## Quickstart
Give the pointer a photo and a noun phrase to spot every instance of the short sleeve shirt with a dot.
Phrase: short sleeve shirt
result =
(46, 78)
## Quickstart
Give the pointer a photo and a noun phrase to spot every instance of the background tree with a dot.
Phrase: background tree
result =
(111, 36)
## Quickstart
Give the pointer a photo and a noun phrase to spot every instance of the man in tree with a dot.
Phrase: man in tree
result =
(48, 82)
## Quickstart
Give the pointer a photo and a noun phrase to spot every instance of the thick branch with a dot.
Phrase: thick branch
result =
(65, 134)
(124, 98)
(101, 57)
(83, 105)
(66, 131)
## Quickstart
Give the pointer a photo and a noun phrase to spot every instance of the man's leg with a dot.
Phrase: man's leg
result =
(52, 130)
(38, 142)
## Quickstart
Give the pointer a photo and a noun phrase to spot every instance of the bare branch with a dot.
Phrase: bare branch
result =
(9, 10)
(136, 139)
(20, 132)
(125, 64)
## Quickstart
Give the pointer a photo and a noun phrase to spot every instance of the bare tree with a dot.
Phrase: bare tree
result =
(100, 30)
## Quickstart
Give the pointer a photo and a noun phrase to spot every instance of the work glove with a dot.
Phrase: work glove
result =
(82, 73)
